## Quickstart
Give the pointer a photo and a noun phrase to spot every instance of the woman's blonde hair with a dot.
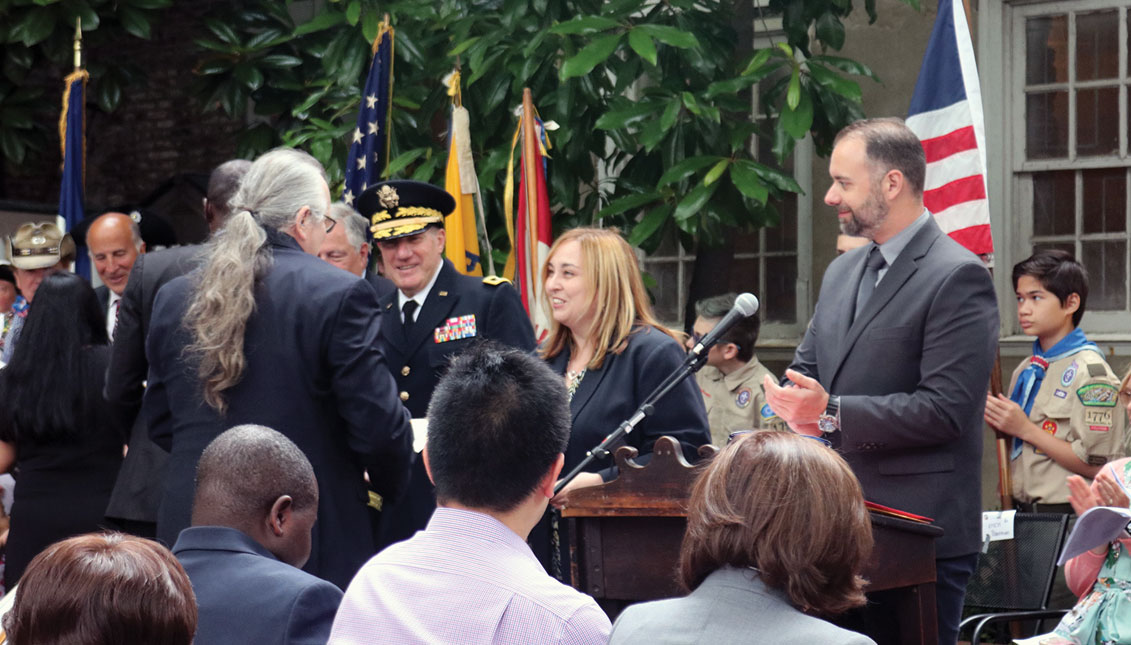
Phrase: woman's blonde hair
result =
(788, 507)
(276, 186)
(612, 275)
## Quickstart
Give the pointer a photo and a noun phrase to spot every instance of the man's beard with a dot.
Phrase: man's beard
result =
(865, 220)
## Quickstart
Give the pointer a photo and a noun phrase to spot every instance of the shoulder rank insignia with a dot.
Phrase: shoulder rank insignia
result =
(1098, 395)
(495, 280)
(455, 329)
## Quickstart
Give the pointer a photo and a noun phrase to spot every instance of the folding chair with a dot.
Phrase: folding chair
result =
(1014, 578)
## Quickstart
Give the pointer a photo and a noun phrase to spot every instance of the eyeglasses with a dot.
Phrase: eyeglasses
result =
(738, 433)
(696, 337)
(331, 225)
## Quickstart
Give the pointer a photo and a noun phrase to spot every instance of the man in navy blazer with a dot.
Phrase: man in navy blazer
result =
(896, 361)
(256, 502)
(265, 332)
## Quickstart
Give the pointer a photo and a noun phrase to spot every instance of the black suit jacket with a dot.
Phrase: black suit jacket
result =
(247, 596)
(912, 373)
(609, 395)
(418, 361)
(103, 294)
(137, 492)
(314, 372)
(382, 285)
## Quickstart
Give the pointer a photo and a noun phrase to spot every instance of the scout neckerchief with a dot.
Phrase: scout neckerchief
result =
(1029, 381)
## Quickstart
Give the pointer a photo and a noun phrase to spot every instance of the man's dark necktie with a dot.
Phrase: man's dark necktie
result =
(409, 312)
(872, 267)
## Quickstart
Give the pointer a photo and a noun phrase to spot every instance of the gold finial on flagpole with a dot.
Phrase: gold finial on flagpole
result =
(78, 43)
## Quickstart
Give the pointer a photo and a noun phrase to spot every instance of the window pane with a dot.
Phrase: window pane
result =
(1046, 52)
(1054, 203)
(665, 294)
(744, 277)
(1046, 125)
(1067, 247)
(1107, 278)
(780, 301)
(1097, 129)
(1097, 45)
(1105, 198)
(783, 237)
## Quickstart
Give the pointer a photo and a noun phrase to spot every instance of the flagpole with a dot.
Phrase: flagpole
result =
(529, 158)
(1002, 441)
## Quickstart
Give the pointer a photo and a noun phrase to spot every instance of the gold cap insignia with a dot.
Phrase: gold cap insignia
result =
(388, 197)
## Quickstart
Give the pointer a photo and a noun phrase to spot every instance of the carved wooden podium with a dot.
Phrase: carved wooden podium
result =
(625, 537)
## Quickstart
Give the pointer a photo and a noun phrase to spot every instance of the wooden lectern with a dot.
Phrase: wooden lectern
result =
(625, 537)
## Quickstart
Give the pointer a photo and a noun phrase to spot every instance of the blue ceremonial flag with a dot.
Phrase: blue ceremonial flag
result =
(73, 143)
(369, 150)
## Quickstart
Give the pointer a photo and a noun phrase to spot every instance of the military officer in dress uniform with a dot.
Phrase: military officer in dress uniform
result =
(434, 314)
(731, 381)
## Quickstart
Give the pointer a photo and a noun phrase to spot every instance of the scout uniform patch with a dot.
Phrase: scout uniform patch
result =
(767, 412)
(1049, 426)
(455, 329)
(743, 398)
(1060, 394)
(1069, 374)
(1098, 394)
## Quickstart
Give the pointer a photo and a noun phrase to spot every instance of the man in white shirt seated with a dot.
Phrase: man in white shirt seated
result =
(498, 423)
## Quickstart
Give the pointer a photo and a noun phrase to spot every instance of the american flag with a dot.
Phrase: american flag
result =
(946, 114)
(369, 147)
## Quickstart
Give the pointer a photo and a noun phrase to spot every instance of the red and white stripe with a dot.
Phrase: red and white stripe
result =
(954, 139)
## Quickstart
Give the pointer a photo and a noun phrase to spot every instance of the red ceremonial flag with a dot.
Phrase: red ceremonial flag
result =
(532, 234)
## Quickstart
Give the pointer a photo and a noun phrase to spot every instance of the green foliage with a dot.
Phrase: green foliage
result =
(39, 34)
(652, 100)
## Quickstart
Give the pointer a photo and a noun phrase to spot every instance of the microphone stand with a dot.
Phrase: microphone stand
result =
(691, 364)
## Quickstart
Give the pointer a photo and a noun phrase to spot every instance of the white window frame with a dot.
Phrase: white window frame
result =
(1002, 60)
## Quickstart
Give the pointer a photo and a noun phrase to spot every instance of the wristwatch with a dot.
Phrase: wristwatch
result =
(830, 421)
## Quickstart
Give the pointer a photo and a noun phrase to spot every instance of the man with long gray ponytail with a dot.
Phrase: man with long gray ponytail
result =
(266, 333)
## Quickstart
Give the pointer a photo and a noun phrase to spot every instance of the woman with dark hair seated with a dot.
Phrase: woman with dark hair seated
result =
(106, 589)
(55, 427)
(776, 535)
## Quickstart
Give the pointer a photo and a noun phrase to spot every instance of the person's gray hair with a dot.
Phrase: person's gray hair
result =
(277, 185)
(354, 223)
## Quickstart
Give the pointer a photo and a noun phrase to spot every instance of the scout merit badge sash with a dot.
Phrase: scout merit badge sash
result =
(1029, 381)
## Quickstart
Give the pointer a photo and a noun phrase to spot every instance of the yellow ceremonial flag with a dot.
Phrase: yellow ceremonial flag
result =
(462, 246)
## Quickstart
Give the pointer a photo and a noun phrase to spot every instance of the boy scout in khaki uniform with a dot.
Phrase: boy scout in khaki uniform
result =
(1063, 410)
(1078, 404)
(731, 381)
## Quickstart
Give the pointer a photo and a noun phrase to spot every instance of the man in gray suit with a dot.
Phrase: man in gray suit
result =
(895, 363)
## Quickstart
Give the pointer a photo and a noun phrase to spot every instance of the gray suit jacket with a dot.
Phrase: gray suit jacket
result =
(731, 606)
(912, 372)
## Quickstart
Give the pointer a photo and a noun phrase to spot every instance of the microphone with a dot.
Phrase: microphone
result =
(745, 305)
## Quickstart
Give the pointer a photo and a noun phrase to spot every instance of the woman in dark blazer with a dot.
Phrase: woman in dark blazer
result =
(65, 439)
(776, 536)
(612, 352)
